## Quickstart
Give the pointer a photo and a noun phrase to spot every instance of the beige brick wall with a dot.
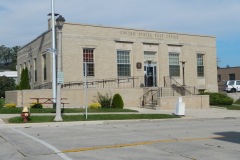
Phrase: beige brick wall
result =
(106, 41)
(76, 98)
(191, 102)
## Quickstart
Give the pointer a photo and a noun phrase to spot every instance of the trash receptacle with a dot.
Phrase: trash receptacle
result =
(180, 107)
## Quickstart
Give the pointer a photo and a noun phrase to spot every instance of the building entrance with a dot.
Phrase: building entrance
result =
(150, 75)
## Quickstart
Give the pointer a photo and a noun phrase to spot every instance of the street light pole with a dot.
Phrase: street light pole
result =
(85, 89)
(183, 70)
(60, 21)
(53, 57)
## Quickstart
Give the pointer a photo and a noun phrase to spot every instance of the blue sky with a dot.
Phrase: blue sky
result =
(24, 20)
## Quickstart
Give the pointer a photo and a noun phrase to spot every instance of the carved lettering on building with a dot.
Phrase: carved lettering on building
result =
(148, 35)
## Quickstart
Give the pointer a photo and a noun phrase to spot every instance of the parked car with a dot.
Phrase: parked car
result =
(232, 86)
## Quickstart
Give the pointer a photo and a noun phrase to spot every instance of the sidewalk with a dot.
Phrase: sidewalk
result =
(198, 113)
(189, 113)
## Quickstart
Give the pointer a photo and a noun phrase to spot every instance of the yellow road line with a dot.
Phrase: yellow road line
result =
(139, 144)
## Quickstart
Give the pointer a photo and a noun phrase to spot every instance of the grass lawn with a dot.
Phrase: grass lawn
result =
(68, 118)
(66, 110)
(232, 107)
(2, 101)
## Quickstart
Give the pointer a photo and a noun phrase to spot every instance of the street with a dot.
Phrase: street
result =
(175, 139)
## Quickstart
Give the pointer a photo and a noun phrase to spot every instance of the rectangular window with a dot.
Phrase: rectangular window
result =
(219, 78)
(35, 70)
(123, 63)
(200, 65)
(44, 67)
(231, 76)
(88, 60)
(149, 56)
(174, 67)
(29, 71)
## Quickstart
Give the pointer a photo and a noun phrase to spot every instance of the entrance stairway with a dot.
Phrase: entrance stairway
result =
(171, 88)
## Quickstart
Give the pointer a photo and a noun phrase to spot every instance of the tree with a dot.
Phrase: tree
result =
(8, 57)
(6, 84)
(117, 101)
(24, 82)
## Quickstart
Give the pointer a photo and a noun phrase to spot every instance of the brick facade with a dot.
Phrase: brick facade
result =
(106, 41)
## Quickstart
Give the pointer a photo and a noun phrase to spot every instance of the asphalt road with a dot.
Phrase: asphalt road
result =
(184, 139)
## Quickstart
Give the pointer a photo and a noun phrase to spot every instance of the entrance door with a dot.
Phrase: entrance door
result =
(150, 75)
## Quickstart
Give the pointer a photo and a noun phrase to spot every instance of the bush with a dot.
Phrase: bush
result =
(219, 99)
(104, 100)
(117, 101)
(36, 105)
(95, 105)
(10, 105)
(237, 101)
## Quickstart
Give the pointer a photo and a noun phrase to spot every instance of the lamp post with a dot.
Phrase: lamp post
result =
(60, 21)
(53, 55)
(85, 89)
(183, 67)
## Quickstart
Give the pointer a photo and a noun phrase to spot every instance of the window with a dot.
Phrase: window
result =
(237, 82)
(219, 78)
(231, 76)
(29, 71)
(200, 66)
(174, 67)
(44, 67)
(35, 70)
(123, 63)
(149, 56)
(88, 59)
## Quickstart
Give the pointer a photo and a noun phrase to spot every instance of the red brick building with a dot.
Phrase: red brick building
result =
(229, 73)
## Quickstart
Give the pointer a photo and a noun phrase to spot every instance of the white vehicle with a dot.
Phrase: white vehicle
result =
(232, 86)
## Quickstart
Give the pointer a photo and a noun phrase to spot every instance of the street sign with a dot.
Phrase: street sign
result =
(60, 78)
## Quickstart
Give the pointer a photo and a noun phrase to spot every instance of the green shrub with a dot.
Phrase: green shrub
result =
(36, 105)
(94, 105)
(117, 101)
(219, 98)
(104, 100)
(10, 105)
(237, 101)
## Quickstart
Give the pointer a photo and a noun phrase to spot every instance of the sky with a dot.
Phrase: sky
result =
(23, 20)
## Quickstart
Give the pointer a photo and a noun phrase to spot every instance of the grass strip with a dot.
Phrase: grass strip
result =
(66, 110)
(68, 118)
(232, 107)
(2, 102)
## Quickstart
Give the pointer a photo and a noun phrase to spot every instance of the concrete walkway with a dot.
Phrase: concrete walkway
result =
(189, 113)
(215, 112)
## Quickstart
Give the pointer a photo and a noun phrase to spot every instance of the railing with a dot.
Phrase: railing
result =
(129, 82)
(183, 90)
(44, 86)
(148, 97)
(169, 81)
(152, 95)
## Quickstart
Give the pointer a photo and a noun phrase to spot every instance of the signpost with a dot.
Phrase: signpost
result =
(60, 78)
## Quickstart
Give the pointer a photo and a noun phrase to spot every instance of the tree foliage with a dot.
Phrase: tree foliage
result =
(6, 84)
(8, 57)
(24, 82)
(117, 101)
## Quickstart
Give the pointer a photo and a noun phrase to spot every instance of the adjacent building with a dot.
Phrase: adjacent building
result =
(225, 74)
